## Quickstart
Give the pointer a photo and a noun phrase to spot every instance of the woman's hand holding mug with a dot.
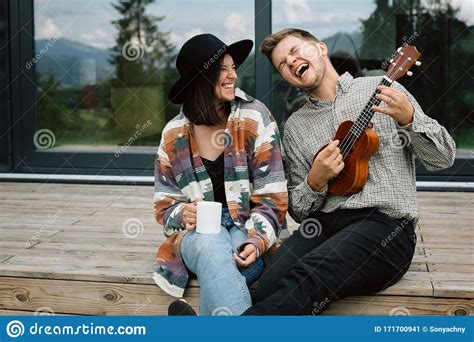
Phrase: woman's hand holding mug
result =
(189, 215)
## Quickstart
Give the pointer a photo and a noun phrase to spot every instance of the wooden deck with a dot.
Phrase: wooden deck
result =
(89, 250)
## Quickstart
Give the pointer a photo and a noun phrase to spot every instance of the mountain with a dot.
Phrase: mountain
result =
(71, 62)
(342, 41)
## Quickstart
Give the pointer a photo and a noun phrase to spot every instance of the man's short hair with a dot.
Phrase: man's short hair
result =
(269, 43)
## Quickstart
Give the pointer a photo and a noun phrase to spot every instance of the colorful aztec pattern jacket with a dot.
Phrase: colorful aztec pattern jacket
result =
(255, 184)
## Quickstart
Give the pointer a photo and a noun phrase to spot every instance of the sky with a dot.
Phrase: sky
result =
(89, 21)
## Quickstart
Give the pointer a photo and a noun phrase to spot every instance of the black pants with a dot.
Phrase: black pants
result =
(344, 253)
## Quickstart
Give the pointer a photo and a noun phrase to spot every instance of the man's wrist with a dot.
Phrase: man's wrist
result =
(409, 120)
(316, 186)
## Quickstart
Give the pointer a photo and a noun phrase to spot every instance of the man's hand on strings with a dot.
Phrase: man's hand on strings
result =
(397, 105)
(327, 165)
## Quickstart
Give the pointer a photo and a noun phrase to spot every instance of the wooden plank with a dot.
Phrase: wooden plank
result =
(105, 274)
(26, 313)
(418, 267)
(111, 240)
(445, 259)
(87, 298)
(87, 245)
(122, 256)
(453, 288)
(449, 251)
(5, 257)
(91, 263)
(406, 287)
(449, 268)
(448, 232)
(401, 305)
(73, 297)
(441, 244)
(439, 276)
(447, 240)
(74, 247)
(448, 222)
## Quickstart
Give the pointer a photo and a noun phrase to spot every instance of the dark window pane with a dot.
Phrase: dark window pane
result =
(361, 35)
(104, 68)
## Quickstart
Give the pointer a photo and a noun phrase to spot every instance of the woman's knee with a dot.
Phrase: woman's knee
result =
(198, 248)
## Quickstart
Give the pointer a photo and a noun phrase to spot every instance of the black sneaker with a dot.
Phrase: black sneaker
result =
(181, 308)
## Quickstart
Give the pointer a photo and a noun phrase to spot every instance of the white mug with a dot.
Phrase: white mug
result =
(208, 219)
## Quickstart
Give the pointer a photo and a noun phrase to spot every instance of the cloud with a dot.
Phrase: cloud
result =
(178, 39)
(297, 11)
(47, 30)
(466, 10)
(98, 38)
(237, 28)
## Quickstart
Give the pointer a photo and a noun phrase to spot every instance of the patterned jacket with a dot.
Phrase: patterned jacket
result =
(255, 184)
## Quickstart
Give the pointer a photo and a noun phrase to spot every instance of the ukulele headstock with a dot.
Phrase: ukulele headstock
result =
(402, 61)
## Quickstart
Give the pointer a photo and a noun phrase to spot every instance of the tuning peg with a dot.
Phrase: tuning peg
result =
(409, 73)
(391, 60)
(417, 63)
(399, 49)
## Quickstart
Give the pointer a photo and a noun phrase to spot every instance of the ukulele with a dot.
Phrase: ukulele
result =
(357, 140)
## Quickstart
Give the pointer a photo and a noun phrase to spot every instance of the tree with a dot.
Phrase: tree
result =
(442, 85)
(142, 49)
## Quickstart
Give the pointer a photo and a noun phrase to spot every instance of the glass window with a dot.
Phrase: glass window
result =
(103, 68)
(4, 84)
(361, 35)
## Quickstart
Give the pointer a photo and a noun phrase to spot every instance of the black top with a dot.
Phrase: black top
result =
(215, 169)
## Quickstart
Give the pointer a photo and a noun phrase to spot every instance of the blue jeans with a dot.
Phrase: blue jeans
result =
(224, 288)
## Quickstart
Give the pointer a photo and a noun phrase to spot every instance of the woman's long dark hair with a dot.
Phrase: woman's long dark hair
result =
(199, 99)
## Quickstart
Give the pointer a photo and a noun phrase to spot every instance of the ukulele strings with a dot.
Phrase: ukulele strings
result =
(357, 128)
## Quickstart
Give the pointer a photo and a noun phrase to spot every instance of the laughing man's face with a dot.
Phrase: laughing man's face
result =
(300, 62)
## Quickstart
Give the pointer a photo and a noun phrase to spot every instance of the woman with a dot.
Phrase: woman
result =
(223, 146)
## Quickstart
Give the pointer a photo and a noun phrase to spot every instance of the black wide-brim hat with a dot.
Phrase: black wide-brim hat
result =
(198, 54)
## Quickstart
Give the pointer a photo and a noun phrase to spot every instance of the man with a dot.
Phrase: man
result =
(346, 245)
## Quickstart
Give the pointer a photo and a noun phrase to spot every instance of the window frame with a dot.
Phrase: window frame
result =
(22, 92)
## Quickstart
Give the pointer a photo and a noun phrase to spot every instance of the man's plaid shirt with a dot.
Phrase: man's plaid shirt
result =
(391, 185)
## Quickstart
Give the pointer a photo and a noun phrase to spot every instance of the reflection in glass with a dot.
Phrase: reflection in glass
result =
(103, 68)
(361, 35)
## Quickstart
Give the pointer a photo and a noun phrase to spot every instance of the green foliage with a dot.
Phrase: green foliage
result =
(142, 50)
(48, 105)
